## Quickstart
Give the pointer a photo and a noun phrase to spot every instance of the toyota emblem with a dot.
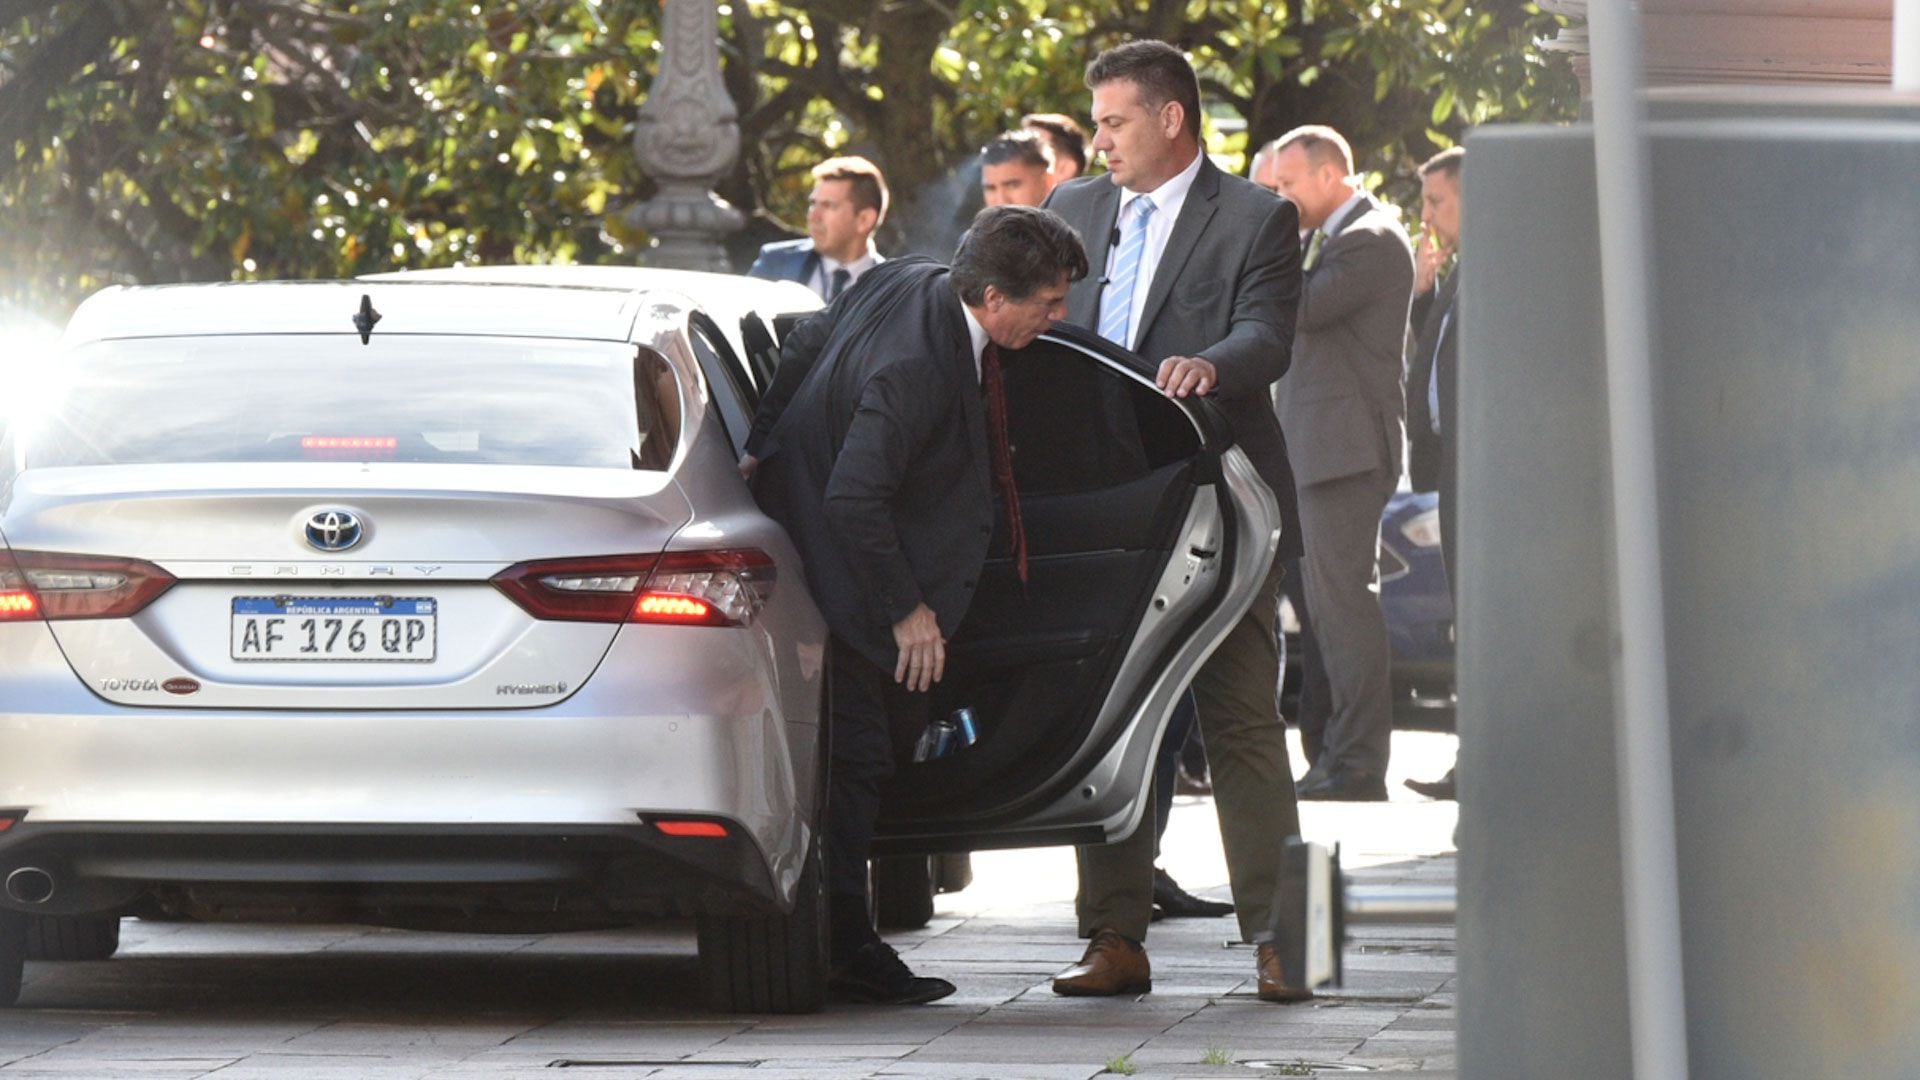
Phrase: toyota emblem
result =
(333, 530)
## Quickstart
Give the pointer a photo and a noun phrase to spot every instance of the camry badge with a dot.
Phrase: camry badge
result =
(333, 530)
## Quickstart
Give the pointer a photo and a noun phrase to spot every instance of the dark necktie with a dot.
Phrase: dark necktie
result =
(1002, 453)
(840, 279)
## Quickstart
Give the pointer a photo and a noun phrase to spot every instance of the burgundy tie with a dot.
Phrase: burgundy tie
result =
(1002, 453)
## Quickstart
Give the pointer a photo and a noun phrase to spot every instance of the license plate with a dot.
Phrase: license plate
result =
(346, 628)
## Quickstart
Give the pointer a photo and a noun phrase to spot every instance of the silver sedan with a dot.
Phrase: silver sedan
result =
(436, 599)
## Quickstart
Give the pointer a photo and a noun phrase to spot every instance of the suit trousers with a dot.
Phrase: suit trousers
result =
(871, 714)
(1352, 720)
(1236, 694)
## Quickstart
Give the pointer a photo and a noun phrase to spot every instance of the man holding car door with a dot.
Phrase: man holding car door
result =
(1200, 274)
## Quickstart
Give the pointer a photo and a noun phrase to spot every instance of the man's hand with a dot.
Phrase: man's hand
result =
(1428, 261)
(747, 465)
(923, 652)
(1183, 375)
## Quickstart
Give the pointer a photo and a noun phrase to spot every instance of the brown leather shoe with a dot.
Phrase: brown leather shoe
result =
(1114, 964)
(1273, 985)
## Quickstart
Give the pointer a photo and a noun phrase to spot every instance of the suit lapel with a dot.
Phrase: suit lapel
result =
(1096, 229)
(1194, 215)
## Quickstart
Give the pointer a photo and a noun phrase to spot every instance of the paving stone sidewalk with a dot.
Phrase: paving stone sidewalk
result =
(185, 1000)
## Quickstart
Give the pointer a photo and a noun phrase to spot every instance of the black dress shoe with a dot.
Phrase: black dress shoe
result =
(876, 975)
(1344, 786)
(1435, 789)
(1174, 902)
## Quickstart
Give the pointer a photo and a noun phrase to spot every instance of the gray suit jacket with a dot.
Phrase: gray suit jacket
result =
(1225, 290)
(1344, 403)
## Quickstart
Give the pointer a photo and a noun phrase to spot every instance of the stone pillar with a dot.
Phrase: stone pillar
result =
(687, 139)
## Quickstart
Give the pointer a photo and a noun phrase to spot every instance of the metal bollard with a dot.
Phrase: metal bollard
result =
(1314, 904)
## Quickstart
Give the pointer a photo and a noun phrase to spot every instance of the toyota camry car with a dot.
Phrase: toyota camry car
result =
(437, 599)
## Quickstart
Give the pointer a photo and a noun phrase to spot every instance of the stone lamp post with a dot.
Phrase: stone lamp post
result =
(687, 139)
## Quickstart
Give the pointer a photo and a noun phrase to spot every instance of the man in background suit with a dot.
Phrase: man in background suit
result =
(848, 203)
(1200, 274)
(1345, 407)
(1431, 407)
(882, 464)
(1014, 169)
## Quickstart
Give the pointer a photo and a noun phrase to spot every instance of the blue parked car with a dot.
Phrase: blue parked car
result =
(1419, 611)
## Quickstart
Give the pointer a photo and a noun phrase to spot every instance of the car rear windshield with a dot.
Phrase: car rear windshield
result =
(326, 398)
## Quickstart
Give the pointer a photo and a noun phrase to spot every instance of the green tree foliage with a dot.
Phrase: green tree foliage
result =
(165, 140)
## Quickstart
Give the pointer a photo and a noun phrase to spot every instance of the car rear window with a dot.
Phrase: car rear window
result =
(326, 398)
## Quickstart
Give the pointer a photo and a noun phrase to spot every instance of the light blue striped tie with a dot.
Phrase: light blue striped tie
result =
(1116, 322)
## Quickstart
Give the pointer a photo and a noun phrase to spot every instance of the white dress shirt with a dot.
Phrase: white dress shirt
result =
(822, 281)
(979, 335)
(1168, 198)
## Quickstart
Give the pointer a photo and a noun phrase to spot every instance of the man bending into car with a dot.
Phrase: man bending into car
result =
(881, 447)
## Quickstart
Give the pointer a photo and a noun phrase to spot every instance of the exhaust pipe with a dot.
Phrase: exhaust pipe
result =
(29, 885)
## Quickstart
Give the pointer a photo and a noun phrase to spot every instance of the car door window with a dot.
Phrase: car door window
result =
(733, 391)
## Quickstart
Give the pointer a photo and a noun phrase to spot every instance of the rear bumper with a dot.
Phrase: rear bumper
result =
(489, 874)
(482, 805)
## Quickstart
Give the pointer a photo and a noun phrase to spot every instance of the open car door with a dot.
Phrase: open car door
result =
(1148, 535)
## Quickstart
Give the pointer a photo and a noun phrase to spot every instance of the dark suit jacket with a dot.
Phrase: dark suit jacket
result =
(787, 260)
(877, 465)
(1342, 404)
(1431, 456)
(1225, 290)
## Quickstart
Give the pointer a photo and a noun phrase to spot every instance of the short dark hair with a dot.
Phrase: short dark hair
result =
(1018, 250)
(1021, 147)
(1063, 132)
(1158, 70)
(1448, 162)
(1320, 143)
(869, 188)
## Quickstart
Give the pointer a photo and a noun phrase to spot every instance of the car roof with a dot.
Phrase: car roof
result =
(578, 302)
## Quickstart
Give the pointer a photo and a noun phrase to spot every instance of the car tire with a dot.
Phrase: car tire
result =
(770, 963)
(952, 871)
(13, 955)
(72, 937)
(903, 887)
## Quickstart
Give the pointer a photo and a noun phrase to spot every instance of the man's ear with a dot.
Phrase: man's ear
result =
(1173, 118)
(868, 220)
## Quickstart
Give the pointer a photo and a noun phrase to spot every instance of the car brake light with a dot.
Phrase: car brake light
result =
(691, 828)
(59, 586)
(707, 588)
(688, 588)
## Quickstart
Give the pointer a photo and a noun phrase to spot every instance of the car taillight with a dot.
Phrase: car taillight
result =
(55, 586)
(688, 588)
(706, 588)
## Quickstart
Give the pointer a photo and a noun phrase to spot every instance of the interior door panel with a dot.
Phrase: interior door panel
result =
(1107, 469)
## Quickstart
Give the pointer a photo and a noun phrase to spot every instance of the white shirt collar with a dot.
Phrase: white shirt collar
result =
(823, 274)
(978, 335)
(1339, 217)
(1168, 197)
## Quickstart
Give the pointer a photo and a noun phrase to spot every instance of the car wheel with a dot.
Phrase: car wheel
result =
(72, 937)
(770, 963)
(903, 887)
(952, 871)
(13, 954)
